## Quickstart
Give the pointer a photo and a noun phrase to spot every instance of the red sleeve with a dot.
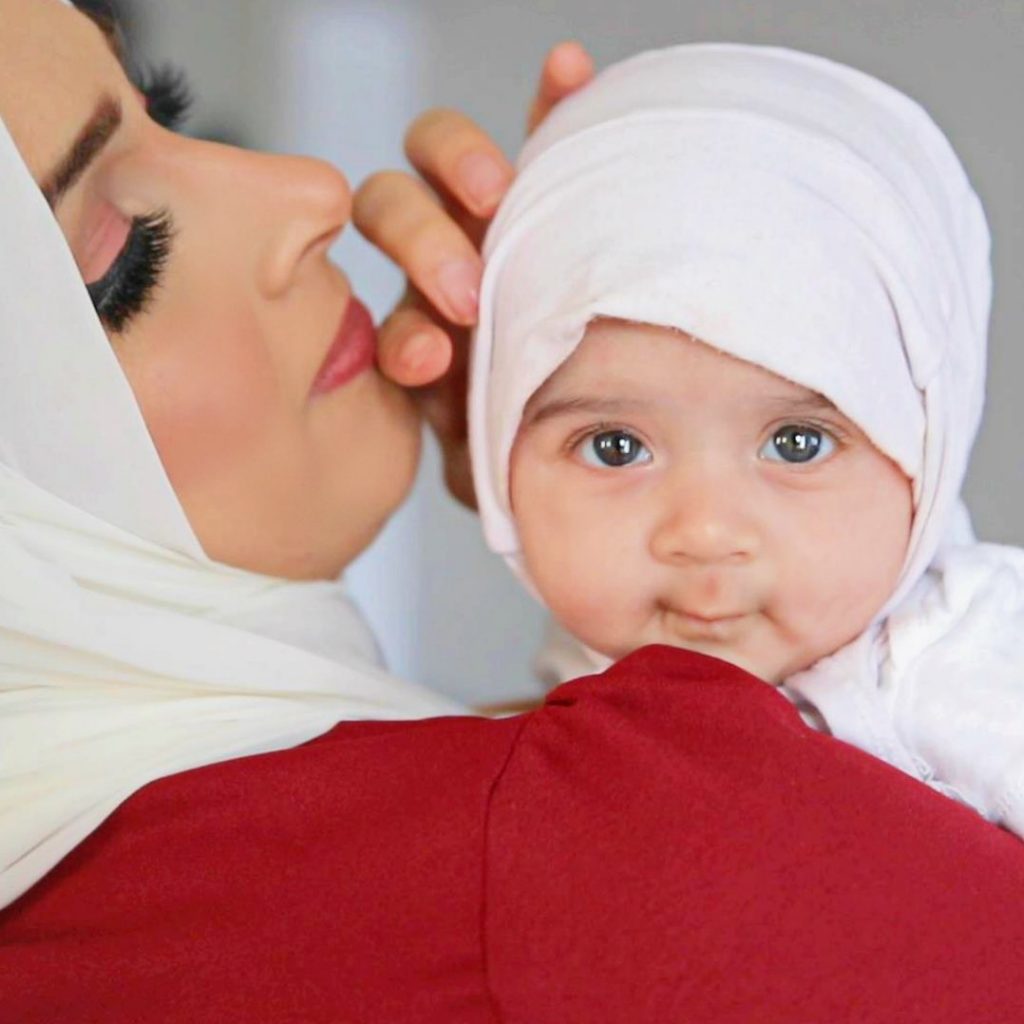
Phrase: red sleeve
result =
(671, 843)
(335, 883)
(665, 842)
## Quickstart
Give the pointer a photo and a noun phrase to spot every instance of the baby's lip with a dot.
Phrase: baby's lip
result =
(703, 613)
(712, 616)
(703, 623)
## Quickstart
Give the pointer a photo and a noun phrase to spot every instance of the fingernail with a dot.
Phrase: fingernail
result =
(459, 281)
(484, 178)
(418, 351)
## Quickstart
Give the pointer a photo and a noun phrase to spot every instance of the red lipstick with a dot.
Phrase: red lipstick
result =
(352, 351)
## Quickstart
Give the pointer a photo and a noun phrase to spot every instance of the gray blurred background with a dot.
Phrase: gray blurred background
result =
(340, 79)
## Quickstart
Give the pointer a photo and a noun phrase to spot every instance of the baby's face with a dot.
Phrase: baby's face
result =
(667, 493)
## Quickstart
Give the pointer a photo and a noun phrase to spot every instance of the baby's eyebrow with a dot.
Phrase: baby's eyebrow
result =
(575, 404)
(800, 403)
(594, 405)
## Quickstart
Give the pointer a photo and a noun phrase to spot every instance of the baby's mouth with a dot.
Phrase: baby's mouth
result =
(695, 625)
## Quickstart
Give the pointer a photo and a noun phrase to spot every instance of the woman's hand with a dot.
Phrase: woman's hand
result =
(435, 236)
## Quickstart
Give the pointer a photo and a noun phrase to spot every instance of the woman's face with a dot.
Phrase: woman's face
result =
(286, 460)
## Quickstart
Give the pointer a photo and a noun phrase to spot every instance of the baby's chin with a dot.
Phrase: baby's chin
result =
(758, 667)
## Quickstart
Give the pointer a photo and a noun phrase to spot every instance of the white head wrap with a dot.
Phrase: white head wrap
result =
(125, 653)
(808, 218)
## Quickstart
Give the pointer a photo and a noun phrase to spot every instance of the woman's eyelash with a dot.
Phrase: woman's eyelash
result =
(126, 288)
(168, 95)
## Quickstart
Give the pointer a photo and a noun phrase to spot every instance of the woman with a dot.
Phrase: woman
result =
(184, 834)
(252, 368)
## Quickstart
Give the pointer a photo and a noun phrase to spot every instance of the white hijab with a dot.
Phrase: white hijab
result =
(808, 218)
(125, 653)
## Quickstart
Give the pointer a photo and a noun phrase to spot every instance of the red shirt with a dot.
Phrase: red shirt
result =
(666, 842)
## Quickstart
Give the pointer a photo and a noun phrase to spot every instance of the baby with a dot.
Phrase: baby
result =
(729, 369)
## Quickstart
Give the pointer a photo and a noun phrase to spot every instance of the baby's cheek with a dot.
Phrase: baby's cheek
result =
(586, 568)
(844, 577)
(600, 602)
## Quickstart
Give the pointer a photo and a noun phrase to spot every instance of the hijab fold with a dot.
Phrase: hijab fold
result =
(807, 218)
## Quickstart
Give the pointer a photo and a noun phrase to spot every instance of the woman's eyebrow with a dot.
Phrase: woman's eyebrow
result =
(88, 144)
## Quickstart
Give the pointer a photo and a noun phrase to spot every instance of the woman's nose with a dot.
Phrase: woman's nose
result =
(704, 520)
(302, 204)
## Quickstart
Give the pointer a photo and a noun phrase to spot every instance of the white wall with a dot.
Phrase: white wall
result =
(341, 79)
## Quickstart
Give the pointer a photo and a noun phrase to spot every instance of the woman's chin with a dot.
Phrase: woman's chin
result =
(385, 486)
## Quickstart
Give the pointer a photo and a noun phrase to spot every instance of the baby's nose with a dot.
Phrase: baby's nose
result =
(705, 524)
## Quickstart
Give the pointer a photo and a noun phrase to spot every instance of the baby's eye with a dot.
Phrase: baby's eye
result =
(614, 448)
(797, 443)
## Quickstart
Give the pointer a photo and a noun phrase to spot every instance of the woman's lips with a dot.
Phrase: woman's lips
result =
(352, 351)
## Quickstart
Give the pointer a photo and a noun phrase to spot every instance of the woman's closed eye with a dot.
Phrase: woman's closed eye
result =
(614, 448)
(127, 287)
(128, 284)
(798, 444)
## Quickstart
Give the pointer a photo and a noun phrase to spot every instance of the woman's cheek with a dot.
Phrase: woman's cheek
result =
(209, 398)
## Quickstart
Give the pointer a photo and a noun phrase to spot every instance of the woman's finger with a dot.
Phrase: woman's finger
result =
(459, 159)
(400, 216)
(567, 67)
(462, 162)
(444, 408)
(412, 350)
(417, 353)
